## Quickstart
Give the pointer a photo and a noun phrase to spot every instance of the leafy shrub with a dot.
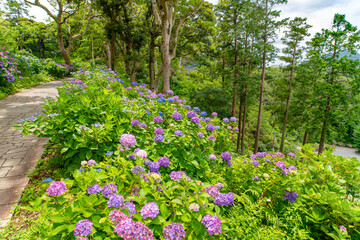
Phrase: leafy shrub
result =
(157, 150)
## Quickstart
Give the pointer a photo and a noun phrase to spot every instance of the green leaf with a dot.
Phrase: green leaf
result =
(59, 229)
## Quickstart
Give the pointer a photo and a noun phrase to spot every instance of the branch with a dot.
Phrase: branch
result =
(38, 4)
(181, 22)
(90, 17)
(156, 12)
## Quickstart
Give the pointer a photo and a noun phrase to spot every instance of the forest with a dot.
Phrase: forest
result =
(228, 105)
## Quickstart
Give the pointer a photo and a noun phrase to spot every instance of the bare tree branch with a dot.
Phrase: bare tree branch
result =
(156, 12)
(181, 22)
(37, 3)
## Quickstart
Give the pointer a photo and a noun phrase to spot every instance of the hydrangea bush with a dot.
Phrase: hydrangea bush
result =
(149, 166)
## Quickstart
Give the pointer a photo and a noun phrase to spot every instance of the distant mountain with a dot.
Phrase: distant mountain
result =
(354, 57)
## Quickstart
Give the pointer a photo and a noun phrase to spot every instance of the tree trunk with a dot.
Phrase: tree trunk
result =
(236, 75)
(134, 71)
(243, 129)
(306, 135)
(166, 58)
(257, 135)
(239, 125)
(112, 50)
(288, 99)
(327, 108)
(92, 48)
(152, 63)
(63, 51)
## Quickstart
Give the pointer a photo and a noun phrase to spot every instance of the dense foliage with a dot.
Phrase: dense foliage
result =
(23, 70)
(148, 164)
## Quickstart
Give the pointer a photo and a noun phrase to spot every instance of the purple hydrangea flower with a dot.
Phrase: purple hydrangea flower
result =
(94, 189)
(143, 125)
(342, 228)
(226, 156)
(159, 131)
(229, 127)
(109, 189)
(210, 127)
(207, 119)
(159, 138)
(212, 191)
(150, 209)
(147, 162)
(224, 199)
(233, 119)
(290, 154)
(194, 207)
(256, 163)
(125, 228)
(214, 114)
(177, 176)
(135, 122)
(177, 116)
(195, 120)
(203, 114)
(292, 168)
(158, 119)
(219, 185)
(290, 196)
(256, 177)
(137, 170)
(132, 157)
(116, 216)
(211, 138)
(56, 188)
(280, 165)
(212, 157)
(267, 160)
(131, 208)
(174, 231)
(279, 154)
(200, 135)
(83, 228)
(226, 120)
(127, 140)
(164, 161)
(91, 162)
(178, 133)
(154, 166)
(115, 200)
(196, 109)
(253, 156)
(237, 129)
(212, 224)
(191, 114)
(170, 92)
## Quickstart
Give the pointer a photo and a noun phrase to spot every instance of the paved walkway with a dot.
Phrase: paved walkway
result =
(18, 153)
(346, 152)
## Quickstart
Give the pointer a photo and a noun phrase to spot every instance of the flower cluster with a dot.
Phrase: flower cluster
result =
(291, 196)
(127, 140)
(177, 176)
(115, 200)
(150, 209)
(109, 189)
(174, 231)
(83, 228)
(212, 224)
(94, 189)
(224, 199)
(56, 188)
(164, 161)
(227, 157)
